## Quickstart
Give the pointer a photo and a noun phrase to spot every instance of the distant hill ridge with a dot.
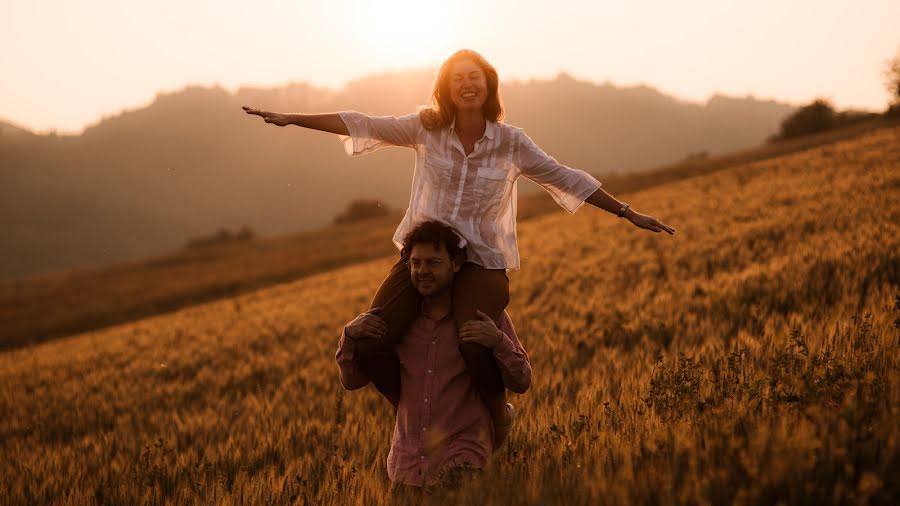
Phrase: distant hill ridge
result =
(145, 181)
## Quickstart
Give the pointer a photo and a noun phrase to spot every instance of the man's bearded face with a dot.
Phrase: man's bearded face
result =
(431, 269)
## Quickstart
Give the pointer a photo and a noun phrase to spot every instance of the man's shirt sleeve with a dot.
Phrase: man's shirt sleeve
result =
(515, 369)
(352, 376)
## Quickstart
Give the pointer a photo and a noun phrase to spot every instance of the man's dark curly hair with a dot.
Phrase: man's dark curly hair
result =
(436, 233)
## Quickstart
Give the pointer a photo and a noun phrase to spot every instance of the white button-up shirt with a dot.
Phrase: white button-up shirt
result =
(475, 194)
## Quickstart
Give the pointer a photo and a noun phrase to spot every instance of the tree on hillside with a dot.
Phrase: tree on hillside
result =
(816, 117)
(892, 83)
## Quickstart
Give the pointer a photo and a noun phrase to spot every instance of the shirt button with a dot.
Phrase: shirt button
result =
(421, 457)
(429, 371)
(424, 429)
(426, 399)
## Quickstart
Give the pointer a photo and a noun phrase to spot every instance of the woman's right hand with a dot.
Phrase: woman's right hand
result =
(274, 118)
(367, 325)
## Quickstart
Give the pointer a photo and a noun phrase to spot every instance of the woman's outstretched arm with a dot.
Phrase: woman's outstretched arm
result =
(571, 187)
(327, 122)
(360, 133)
(606, 202)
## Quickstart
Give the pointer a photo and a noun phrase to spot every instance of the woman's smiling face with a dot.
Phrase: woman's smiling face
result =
(468, 85)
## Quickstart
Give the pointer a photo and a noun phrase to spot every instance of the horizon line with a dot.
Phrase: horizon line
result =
(233, 89)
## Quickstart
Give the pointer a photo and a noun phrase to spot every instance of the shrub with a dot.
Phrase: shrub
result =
(222, 236)
(362, 209)
(893, 112)
(818, 116)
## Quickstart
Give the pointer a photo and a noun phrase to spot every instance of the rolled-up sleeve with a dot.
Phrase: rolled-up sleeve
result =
(512, 359)
(351, 375)
(569, 187)
(370, 133)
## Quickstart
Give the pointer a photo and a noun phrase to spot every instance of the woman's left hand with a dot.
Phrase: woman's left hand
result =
(648, 222)
(481, 331)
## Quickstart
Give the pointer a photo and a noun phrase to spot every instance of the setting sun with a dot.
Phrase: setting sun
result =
(402, 33)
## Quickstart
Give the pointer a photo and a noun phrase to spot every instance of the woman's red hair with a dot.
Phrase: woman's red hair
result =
(442, 110)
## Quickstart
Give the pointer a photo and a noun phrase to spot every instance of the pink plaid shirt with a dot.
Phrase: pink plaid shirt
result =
(441, 419)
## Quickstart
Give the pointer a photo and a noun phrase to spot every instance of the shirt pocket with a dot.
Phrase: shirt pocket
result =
(491, 183)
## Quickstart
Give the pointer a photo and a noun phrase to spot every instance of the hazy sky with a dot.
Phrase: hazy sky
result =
(66, 64)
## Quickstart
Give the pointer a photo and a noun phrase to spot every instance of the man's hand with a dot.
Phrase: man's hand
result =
(367, 325)
(274, 118)
(481, 331)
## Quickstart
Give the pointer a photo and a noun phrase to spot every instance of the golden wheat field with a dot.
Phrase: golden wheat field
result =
(751, 358)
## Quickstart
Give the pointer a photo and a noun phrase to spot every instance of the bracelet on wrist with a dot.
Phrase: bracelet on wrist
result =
(621, 213)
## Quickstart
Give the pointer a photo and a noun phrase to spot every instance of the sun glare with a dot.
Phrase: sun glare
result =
(407, 32)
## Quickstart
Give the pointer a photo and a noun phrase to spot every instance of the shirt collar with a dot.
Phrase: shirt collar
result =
(489, 127)
(422, 312)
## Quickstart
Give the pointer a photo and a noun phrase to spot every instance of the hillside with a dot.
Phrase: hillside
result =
(752, 357)
(143, 182)
(88, 299)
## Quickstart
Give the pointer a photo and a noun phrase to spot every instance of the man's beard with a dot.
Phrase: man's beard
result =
(430, 287)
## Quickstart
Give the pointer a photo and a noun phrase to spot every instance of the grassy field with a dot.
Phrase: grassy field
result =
(89, 299)
(750, 358)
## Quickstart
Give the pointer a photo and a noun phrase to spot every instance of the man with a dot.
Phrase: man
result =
(441, 419)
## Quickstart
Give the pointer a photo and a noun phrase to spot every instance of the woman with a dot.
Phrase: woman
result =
(466, 168)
